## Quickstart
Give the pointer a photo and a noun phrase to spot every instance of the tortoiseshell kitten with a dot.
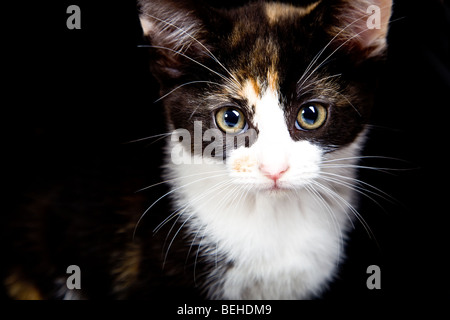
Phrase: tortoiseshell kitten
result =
(269, 105)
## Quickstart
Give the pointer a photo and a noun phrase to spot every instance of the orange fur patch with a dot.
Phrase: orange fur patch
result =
(279, 11)
(19, 288)
(251, 91)
(244, 164)
(272, 79)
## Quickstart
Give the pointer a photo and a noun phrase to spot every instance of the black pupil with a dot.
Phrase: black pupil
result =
(310, 115)
(231, 118)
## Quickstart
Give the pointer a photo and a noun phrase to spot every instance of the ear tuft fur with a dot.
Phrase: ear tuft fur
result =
(168, 24)
(362, 24)
(174, 31)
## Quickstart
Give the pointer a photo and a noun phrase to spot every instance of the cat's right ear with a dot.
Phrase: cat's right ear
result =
(176, 34)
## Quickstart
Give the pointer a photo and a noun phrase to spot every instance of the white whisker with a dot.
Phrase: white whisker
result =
(180, 178)
(315, 59)
(173, 238)
(197, 254)
(168, 193)
(354, 185)
(317, 81)
(200, 43)
(185, 84)
(332, 90)
(168, 233)
(192, 203)
(197, 62)
(161, 135)
(322, 202)
(343, 201)
(356, 166)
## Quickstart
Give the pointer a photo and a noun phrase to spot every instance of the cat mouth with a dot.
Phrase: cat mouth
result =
(276, 187)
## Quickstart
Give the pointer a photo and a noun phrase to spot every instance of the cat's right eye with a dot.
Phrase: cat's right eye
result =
(231, 120)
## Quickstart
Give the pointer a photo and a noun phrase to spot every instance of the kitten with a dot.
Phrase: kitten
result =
(268, 106)
(270, 215)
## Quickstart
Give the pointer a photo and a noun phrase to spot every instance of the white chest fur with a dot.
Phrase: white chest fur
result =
(280, 248)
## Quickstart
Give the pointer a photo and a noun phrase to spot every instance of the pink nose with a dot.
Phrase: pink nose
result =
(273, 172)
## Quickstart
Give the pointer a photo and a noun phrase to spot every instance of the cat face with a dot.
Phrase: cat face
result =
(297, 80)
(269, 105)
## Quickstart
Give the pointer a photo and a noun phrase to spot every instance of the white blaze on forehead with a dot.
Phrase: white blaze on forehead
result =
(269, 117)
(268, 114)
(272, 145)
(273, 138)
(264, 99)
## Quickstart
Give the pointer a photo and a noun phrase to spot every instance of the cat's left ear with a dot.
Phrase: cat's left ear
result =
(362, 25)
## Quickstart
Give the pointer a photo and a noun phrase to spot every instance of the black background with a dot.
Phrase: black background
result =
(73, 98)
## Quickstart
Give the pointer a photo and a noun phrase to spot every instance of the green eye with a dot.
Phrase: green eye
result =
(311, 116)
(231, 120)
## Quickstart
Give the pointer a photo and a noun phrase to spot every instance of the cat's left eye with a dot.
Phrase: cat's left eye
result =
(311, 116)
(231, 120)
